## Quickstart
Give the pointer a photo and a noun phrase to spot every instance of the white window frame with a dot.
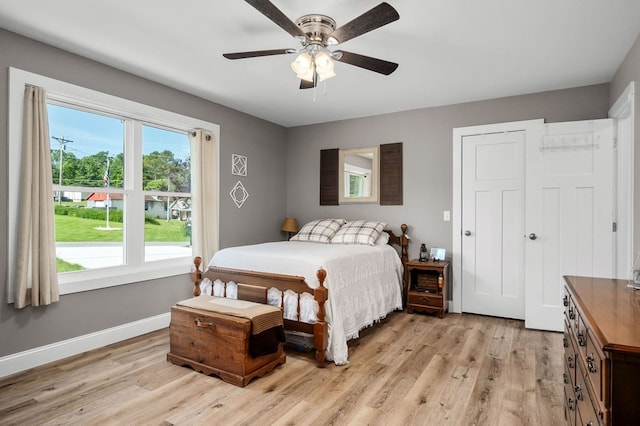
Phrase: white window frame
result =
(59, 91)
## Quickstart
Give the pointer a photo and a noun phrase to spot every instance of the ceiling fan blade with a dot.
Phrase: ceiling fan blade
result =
(377, 17)
(257, 53)
(269, 10)
(304, 84)
(366, 62)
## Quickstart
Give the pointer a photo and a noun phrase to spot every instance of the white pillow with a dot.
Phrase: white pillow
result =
(383, 239)
(320, 230)
(358, 232)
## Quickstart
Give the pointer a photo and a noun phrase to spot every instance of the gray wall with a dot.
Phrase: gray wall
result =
(258, 220)
(427, 152)
(629, 71)
(425, 133)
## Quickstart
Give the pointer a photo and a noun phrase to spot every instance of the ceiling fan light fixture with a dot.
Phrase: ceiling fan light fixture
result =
(303, 66)
(324, 66)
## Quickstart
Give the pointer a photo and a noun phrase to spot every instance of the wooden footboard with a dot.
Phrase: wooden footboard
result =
(253, 286)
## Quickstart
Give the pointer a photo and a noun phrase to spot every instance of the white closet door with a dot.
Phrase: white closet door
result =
(493, 224)
(569, 208)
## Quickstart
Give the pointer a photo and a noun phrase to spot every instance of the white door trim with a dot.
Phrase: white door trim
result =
(623, 112)
(458, 135)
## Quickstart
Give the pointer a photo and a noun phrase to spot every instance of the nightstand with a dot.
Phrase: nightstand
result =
(426, 286)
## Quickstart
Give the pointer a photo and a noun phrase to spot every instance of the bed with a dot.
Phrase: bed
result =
(330, 290)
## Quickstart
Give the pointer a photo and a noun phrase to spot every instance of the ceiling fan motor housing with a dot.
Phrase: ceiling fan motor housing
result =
(317, 28)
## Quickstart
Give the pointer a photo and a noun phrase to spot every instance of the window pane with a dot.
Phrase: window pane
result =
(167, 228)
(166, 163)
(87, 152)
(86, 239)
(166, 168)
(82, 145)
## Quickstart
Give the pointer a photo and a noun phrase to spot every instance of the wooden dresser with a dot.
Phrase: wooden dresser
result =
(602, 352)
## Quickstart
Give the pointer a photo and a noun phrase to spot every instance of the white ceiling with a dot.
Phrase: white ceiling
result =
(449, 51)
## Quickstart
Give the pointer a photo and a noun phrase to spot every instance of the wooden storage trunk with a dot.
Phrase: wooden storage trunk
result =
(214, 343)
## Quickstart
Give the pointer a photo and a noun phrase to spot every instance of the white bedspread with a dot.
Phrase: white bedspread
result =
(364, 282)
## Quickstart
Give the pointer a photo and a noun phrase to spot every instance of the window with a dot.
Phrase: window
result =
(166, 182)
(356, 184)
(122, 185)
(87, 168)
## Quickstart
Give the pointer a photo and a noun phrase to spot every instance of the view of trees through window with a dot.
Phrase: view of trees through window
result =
(91, 175)
(356, 185)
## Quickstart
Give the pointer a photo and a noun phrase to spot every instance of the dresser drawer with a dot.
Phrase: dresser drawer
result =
(566, 302)
(596, 366)
(425, 299)
(587, 408)
(569, 406)
(581, 335)
(570, 354)
(571, 313)
(587, 417)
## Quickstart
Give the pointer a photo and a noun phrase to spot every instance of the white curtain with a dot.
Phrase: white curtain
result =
(204, 194)
(36, 279)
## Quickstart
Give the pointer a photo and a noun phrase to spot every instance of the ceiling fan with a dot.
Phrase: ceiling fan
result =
(316, 33)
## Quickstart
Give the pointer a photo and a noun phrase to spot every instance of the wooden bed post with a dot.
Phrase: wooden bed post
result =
(320, 327)
(404, 243)
(404, 257)
(196, 276)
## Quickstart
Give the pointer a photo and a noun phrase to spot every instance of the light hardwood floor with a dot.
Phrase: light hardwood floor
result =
(410, 369)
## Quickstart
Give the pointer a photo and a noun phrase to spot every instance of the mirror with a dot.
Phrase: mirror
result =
(358, 175)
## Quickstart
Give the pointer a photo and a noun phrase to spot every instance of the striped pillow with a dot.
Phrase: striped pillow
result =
(358, 232)
(319, 231)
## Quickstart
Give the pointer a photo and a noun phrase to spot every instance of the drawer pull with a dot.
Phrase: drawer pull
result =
(565, 342)
(572, 314)
(591, 365)
(565, 377)
(571, 404)
(199, 322)
(581, 340)
(570, 362)
(578, 391)
(565, 300)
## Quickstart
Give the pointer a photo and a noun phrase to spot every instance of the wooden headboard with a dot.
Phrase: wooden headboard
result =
(402, 241)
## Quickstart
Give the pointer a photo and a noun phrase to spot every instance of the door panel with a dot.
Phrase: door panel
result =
(550, 267)
(569, 206)
(493, 218)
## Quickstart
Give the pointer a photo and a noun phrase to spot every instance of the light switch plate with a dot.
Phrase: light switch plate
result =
(446, 215)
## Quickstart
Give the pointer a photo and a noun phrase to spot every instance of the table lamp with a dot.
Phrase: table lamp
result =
(290, 226)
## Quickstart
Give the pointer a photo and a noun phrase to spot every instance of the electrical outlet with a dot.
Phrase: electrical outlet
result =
(447, 215)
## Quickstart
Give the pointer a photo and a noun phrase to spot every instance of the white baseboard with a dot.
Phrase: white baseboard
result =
(21, 361)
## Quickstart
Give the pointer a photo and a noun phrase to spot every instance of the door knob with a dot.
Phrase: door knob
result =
(533, 236)
(467, 232)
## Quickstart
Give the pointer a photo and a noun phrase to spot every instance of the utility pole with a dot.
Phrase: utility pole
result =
(62, 141)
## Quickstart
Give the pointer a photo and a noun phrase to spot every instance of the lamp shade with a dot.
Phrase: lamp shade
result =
(324, 66)
(290, 224)
(303, 66)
